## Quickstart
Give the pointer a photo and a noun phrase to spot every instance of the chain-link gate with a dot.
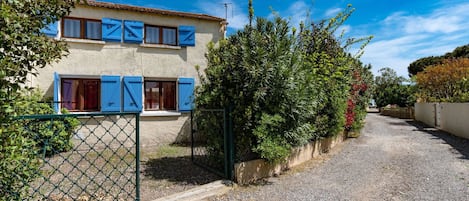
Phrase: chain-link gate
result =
(212, 141)
(84, 156)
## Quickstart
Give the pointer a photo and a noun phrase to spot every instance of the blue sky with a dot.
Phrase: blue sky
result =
(403, 30)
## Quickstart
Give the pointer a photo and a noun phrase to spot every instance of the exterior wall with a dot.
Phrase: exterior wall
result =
(96, 58)
(425, 112)
(454, 117)
(88, 58)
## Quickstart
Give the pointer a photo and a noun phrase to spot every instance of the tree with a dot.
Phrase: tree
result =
(459, 52)
(23, 49)
(447, 82)
(420, 64)
(389, 89)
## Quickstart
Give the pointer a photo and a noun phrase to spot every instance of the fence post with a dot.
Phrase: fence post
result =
(228, 142)
(192, 135)
(137, 156)
(231, 144)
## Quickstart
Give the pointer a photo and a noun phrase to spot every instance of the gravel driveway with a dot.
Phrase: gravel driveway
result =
(394, 159)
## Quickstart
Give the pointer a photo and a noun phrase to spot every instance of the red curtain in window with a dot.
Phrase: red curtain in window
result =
(169, 95)
(90, 95)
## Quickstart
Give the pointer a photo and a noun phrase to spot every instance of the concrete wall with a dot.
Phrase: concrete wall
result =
(454, 118)
(92, 59)
(251, 171)
(425, 112)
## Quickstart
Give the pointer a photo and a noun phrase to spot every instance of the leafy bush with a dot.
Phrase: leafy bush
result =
(285, 87)
(28, 140)
(51, 135)
(447, 82)
(360, 94)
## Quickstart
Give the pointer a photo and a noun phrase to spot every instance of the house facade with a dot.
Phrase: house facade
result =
(130, 59)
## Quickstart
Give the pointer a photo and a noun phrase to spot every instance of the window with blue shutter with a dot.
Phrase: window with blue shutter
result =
(132, 93)
(186, 94)
(51, 30)
(56, 91)
(186, 36)
(110, 93)
(133, 31)
(111, 29)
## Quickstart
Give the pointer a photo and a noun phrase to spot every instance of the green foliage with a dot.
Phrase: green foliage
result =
(419, 65)
(270, 142)
(50, 136)
(27, 141)
(23, 49)
(390, 89)
(447, 82)
(286, 87)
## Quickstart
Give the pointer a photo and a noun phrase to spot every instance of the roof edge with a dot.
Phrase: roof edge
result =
(150, 10)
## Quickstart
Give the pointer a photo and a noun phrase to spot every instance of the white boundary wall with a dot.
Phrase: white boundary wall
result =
(455, 118)
(425, 112)
(450, 117)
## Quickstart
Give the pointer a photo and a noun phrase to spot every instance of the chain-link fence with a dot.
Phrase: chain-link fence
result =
(84, 156)
(212, 141)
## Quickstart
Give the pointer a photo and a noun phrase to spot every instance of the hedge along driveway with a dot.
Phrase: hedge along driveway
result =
(394, 159)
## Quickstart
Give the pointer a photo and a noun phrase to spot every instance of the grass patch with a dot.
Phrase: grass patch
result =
(170, 151)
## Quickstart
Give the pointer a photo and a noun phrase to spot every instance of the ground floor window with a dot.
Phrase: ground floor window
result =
(80, 95)
(160, 95)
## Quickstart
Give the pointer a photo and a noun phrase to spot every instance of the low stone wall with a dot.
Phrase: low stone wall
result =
(403, 113)
(250, 171)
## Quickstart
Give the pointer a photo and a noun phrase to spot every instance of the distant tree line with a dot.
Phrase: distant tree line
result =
(420, 64)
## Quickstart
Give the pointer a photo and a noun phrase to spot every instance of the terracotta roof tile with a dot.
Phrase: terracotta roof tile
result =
(151, 10)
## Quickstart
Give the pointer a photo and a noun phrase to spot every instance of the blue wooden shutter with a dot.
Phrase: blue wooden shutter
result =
(110, 93)
(133, 31)
(56, 91)
(111, 29)
(186, 36)
(51, 30)
(186, 94)
(132, 93)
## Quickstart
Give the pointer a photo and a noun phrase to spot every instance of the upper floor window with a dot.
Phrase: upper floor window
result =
(81, 28)
(160, 35)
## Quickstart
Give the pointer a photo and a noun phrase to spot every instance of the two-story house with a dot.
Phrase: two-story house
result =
(130, 59)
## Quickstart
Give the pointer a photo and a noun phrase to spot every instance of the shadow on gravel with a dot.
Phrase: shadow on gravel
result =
(459, 144)
(401, 123)
(177, 169)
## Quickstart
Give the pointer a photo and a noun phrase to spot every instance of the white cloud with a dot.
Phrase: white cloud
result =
(332, 12)
(403, 38)
(298, 12)
(237, 18)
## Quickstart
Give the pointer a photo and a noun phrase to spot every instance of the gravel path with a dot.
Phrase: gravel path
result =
(394, 159)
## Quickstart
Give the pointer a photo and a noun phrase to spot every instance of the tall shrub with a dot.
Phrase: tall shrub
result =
(285, 86)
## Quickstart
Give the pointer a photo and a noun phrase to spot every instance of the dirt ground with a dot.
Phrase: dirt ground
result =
(168, 169)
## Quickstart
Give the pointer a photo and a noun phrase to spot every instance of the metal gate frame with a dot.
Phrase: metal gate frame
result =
(228, 144)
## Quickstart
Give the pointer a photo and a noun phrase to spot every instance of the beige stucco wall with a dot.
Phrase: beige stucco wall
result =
(95, 58)
(425, 112)
(251, 171)
(454, 118)
(112, 58)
